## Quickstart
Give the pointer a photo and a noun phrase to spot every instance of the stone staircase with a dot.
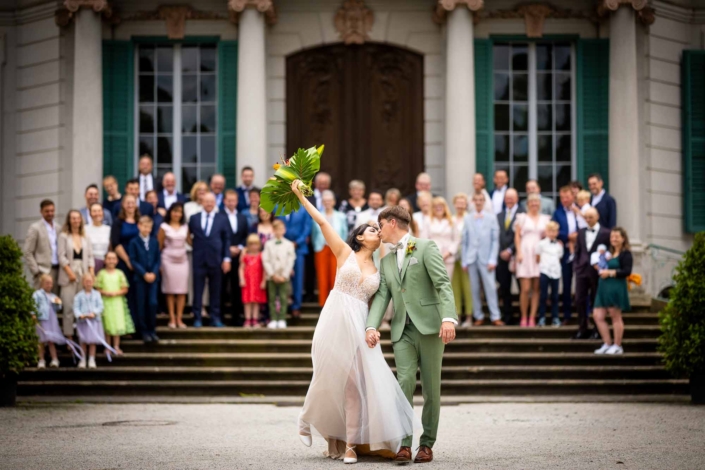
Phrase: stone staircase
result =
(275, 365)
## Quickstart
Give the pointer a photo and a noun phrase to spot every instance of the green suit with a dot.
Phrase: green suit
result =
(421, 292)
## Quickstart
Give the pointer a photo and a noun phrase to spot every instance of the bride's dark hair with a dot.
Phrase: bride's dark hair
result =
(353, 242)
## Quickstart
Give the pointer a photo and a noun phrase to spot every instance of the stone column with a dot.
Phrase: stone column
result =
(251, 86)
(460, 154)
(87, 122)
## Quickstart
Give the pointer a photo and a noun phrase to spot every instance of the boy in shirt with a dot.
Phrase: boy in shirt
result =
(549, 253)
(278, 258)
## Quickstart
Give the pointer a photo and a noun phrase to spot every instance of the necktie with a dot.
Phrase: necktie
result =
(208, 224)
(507, 221)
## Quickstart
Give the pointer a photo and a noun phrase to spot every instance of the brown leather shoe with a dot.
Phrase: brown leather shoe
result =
(403, 456)
(498, 323)
(424, 455)
(478, 322)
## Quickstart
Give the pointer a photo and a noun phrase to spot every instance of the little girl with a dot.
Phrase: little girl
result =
(112, 285)
(48, 328)
(252, 280)
(87, 308)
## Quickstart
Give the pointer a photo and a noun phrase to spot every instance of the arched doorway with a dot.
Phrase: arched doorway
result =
(365, 103)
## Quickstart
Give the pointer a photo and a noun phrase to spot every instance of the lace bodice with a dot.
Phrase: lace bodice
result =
(349, 280)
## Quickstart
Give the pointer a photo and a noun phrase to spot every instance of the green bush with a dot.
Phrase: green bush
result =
(682, 342)
(18, 338)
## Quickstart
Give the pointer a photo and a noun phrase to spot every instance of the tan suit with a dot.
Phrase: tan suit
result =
(79, 267)
(38, 252)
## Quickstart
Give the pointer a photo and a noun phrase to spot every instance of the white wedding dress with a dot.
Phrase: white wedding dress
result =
(354, 396)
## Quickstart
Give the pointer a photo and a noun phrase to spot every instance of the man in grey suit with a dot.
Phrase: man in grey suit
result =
(41, 253)
(91, 196)
(548, 207)
(506, 220)
(480, 247)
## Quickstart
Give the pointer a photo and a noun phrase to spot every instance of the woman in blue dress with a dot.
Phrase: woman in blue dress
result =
(123, 230)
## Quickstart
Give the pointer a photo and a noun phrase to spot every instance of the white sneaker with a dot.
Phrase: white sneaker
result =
(91, 363)
(54, 363)
(605, 347)
(614, 349)
(42, 364)
(281, 324)
(273, 325)
(466, 324)
(82, 364)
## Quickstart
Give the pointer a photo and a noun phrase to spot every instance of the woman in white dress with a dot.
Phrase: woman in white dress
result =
(353, 398)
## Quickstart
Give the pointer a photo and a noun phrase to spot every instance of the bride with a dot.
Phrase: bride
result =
(353, 398)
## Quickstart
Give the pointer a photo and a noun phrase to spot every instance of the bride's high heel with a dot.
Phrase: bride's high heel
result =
(350, 459)
(306, 440)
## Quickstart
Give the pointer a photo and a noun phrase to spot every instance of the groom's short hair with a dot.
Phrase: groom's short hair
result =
(397, 213)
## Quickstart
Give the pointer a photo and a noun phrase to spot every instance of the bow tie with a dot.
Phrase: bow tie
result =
(553, 241)
(397, 247)
(591, 230)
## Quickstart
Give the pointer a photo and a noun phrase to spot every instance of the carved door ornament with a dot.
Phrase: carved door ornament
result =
(354, 22)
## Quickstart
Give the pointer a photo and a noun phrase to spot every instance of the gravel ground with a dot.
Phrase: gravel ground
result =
(223, 436)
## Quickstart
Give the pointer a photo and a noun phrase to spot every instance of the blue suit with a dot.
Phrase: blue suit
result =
(480, 247)
(145, 261)
(561, 217)
(607, 208)
(179, 198)
(298, 229)
(243, 199)
(209, 252)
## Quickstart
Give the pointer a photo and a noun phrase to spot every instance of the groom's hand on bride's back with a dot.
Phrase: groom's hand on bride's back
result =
(372, 338)
(447, 333)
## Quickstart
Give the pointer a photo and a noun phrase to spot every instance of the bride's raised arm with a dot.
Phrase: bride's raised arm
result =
(338, 246)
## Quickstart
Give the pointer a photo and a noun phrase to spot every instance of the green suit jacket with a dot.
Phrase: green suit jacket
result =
(422, 290)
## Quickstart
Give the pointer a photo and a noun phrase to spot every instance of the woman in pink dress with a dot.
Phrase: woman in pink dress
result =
(529, 230)
(442, 230)
(172, 236)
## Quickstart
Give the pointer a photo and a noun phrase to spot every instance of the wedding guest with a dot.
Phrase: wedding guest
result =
(568, 233)
(580, 208)
(153, 200)
(217, 187)
(173, 235)
(480, 246)
(132, 188)
(238, 230)
(113, 286)
(91, 196)
(501, 180)
(99, 235)
(549, 253)
(392, 197)
(252, 280)
(321, 183)
(423, 184)
(326, 264)
(111, 188)
(444, 232)
(195, 205)
(413, 228)
(507, 249)
(48, 329)
(87, 309)
(265, 228)
(41, 253)
(423, 216)
(252, 214)
(548, 207)
(529, 229)
(576, 187)
(146, 261)
(612, 294)
(123, 231)
(355, 204)
(479, 187)
(146, 180)
(247, 178)
(298, 229)
(375, 202)
(460, 281)
(586, 276)
(76, 261)
(168, 195)
(604, 203)
(278, 259)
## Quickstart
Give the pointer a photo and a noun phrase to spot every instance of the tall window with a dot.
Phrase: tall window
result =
(176, 125)
(534, 114)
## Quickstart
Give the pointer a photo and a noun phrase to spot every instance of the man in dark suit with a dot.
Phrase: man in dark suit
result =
(567, 233)
(211, 234)
(586, 277)
(298, 230)
(604, 203)
(423, 183)
(152, 199)
(497, 196)
(238, 240)
(247, 176)
(168, 195)
(132, 187)
(217, 185)
(506, 219)
(144, 257)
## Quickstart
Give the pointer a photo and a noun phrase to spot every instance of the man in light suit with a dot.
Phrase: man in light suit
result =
(298, 231)
(41, 252)
(604, 203)
(506, 220)
(480, 247)
(91, 196)
(168, 195)
(145, 178)
(548, 207)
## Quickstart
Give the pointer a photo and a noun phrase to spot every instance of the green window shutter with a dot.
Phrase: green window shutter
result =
(118, 110)
(227, 110)
(693, 89)
(593, 102)
(484, 115)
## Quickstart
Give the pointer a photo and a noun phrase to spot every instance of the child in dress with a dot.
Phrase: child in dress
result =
(252, 280)
(112, 285)
(48, 328)
(87, 309)
(278, 258)
(549, 253)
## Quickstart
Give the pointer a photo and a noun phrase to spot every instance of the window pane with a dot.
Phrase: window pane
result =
(545, 178)
(520, 87)
(520, 117)
(164, 154)
(501, 87)
(189, 176)
(146, 145)
(165, 88)
(562, 57)
(165, 119)
(207, 58)
(501, 117)
(207, 119)
(189, 88)
(208, 88)
(563, 118)
(544, 86)
(146, 119)
(162, 170)
(189, 149)
(207, 172)
(188, 119)
(165, 59)
(501, 57)
(520, 177)
(544, 61)
(146, 59)
(146, 85)
(521, 148)
(189, 58)
(545, 148)
(208, 149)
(563, 148)
(563, 175)
(520, 58)
(544, 114)
(563, 90)
(501, 148)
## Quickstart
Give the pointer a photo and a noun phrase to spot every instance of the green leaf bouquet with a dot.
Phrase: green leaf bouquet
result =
(277, 194)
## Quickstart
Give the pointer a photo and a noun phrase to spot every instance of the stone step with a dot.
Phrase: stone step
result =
(297, 388)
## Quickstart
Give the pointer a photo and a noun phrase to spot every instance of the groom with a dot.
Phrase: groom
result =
(414, 275)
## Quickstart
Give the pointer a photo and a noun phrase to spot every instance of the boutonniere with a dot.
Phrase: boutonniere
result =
(410, 247)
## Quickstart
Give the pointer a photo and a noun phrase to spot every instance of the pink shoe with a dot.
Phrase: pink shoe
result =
(532, 323)
(523, 323)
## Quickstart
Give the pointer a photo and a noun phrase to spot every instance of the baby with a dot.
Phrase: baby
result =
(600, 257)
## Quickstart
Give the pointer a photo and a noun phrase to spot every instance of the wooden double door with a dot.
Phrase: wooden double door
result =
(365, 103)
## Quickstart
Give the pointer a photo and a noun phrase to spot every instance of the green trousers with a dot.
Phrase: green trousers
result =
(461, 290)
(275, 291)
(411, 352)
